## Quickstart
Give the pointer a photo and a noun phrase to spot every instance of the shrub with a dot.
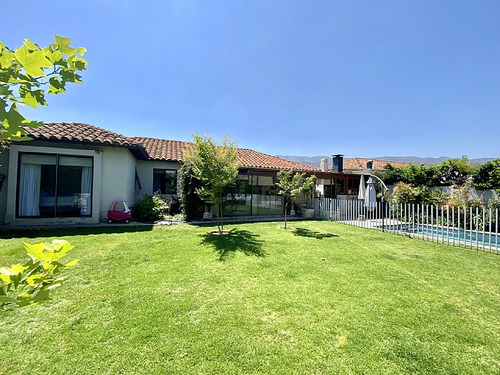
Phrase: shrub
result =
(32, 282)
(404, 193)
(150, 208)
(494, 201)
(436, 197)
(465, 196)
(488, 175)
(450, 172)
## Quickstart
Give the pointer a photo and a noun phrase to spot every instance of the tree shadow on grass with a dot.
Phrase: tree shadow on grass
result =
(303, 232)
(236, 240)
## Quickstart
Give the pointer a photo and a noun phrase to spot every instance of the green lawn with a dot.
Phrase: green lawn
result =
(324, 298)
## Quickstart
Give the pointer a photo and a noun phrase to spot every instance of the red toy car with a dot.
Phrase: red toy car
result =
(119, 211)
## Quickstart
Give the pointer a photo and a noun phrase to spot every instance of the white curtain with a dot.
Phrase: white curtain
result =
(29, 189)
(86, 189)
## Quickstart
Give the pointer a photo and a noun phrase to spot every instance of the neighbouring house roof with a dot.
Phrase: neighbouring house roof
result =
(168, 150)
(353, 164)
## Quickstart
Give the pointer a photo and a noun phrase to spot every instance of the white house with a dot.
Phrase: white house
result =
(72, 172)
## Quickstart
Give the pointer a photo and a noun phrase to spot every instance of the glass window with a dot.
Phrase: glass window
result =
(165, 181)
(238, 197)
(339, 186)
(54, 186)
(352, 186)
(265, 200)
(327, 188)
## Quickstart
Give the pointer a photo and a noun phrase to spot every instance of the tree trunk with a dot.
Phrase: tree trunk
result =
(286, 209)
(219, 212)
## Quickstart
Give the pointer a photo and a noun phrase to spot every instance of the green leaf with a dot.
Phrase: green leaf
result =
(32, 97)
(72, 263)
(81, 51)
(4, 278)
(56, 86)
(35, 279)
(7, 59)
(33, 62)
(35, 251)
(5, 299)
(30, 45)
(42, 295)
(49, 252)
(53, 56)
(63, 44)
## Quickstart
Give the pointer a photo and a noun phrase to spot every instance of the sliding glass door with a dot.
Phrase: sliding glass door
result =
(54, 186)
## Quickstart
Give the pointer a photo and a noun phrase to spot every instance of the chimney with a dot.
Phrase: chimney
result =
(323, 165)
(338, 163)
(369, 164)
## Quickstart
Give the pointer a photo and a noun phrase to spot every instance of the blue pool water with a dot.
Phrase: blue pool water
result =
(454, 234)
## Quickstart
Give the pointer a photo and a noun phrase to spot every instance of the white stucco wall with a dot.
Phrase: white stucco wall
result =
(118, 176)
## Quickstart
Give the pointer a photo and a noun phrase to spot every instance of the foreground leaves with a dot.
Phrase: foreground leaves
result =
(30, 71)
(29, 284)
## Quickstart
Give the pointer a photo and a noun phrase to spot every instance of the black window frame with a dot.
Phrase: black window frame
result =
(164, 170)
(57, 155)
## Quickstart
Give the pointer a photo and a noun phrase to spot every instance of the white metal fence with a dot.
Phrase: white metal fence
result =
(475, 228)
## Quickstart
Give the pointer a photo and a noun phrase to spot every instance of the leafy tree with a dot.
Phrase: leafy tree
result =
(457, 171)
(451, 172)
(291, 184)
(27, 73)
(488, 175)
(215, 166)
(309, 187)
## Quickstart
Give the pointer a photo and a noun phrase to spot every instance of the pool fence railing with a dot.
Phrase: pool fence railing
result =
(475, 228)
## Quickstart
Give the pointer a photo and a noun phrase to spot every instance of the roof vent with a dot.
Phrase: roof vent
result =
(323, 165)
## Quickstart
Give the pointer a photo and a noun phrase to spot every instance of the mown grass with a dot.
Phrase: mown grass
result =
(323, 298)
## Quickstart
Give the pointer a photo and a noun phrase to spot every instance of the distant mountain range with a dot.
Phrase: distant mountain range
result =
(315, 160)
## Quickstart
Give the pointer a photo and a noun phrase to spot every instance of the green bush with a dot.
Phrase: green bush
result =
(150, 208)
(32, 282)
(494, 202)
(488, 175)
(451, 172)
(464, 196)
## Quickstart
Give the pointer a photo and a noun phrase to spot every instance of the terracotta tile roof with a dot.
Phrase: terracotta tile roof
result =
(78, 132)
(254, 159)
(155, 149)
(162, 149)
(360, 163)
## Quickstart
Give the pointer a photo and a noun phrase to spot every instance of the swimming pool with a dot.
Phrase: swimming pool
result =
(450, 235)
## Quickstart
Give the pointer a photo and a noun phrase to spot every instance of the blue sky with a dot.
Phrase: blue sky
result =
(363, 78)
